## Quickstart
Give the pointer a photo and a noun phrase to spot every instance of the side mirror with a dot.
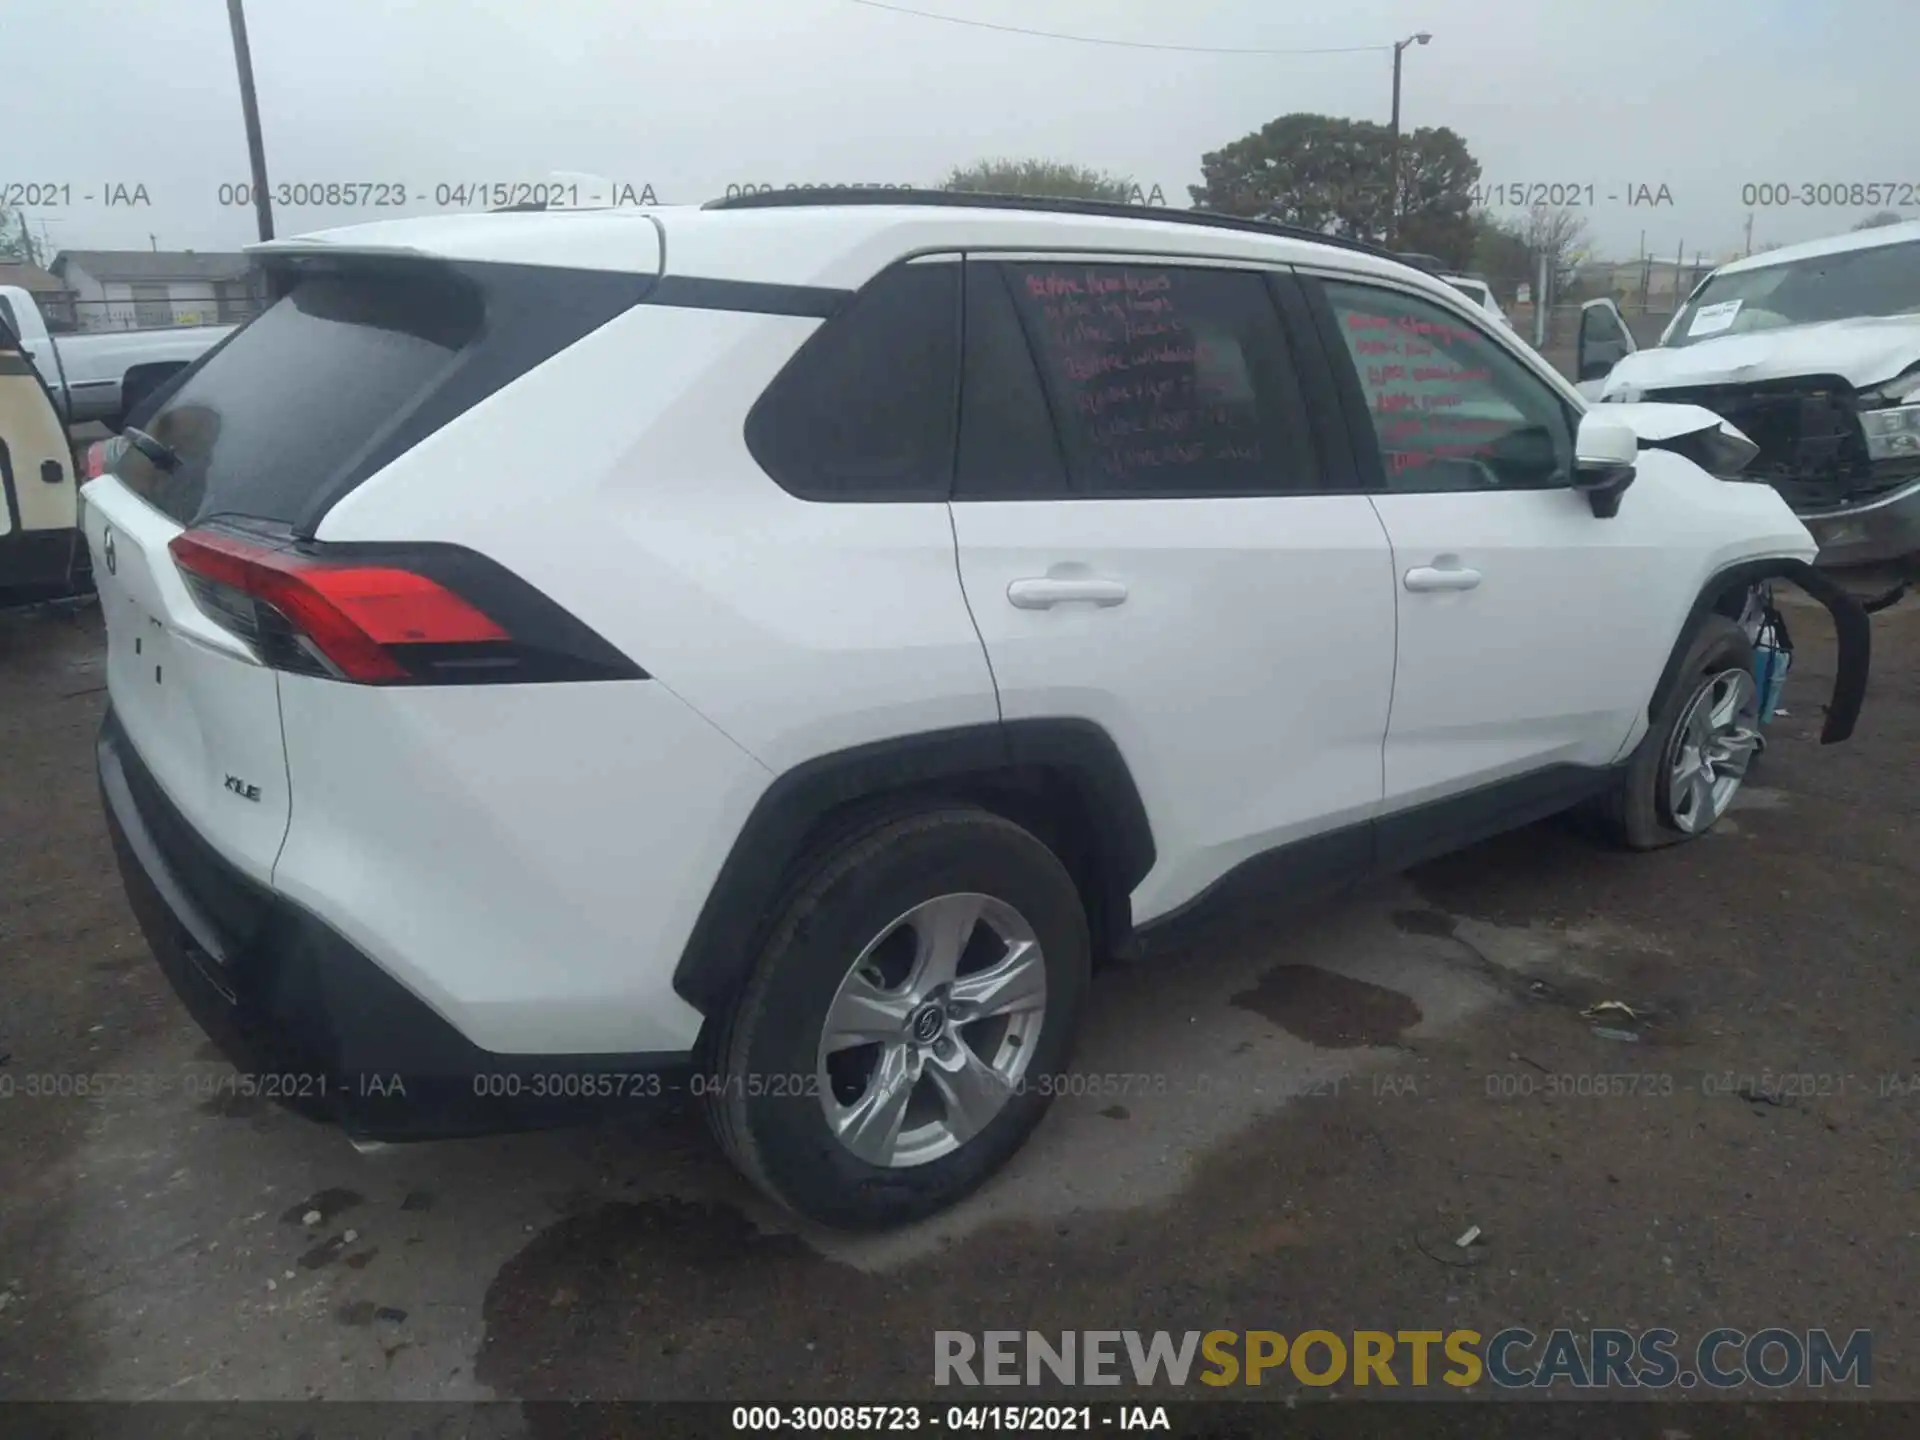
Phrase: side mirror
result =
(1604, 454)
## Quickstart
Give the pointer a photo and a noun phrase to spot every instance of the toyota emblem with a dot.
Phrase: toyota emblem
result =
(113, 565)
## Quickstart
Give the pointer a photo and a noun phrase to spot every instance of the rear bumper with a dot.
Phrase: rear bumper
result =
(1884, 529)
(312, 1021)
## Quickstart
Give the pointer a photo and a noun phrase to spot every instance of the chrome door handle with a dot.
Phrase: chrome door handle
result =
(1429, 577)
(1046, 592)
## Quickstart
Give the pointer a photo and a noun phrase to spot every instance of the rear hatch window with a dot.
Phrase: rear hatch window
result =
(355, 364)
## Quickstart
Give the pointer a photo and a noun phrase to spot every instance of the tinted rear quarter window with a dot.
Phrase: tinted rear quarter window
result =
(865, 410)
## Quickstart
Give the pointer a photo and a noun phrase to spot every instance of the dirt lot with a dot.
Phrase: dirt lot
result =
(1331, 1098)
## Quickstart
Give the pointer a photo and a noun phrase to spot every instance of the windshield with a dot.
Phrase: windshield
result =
(1472, 289)
(1882, 281)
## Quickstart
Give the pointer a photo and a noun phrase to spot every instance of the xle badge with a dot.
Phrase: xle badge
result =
(243, 789)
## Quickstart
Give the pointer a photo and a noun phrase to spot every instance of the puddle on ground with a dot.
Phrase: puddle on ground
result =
(658, 1285)
(1331, 1010)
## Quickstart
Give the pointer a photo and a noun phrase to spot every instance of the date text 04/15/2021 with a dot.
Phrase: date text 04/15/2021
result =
(458, 194)
(1011, 1419)
(1584, 194)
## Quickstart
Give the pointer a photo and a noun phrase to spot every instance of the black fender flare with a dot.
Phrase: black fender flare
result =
(1079, 754)
(1853, 633)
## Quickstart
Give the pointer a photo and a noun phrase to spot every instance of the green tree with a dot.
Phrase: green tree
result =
(1884, 217)
(1334, 175)
(18, 245)
(1500, 252)
(1437, 177)
(1052, 179)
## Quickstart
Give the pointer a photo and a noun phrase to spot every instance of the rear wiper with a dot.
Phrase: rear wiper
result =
(159, 452)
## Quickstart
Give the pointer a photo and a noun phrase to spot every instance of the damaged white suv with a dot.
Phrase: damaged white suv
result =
(1813, 351)
(768, 651)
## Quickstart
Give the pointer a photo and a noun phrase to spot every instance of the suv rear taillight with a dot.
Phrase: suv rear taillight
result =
(99, 457)
(388, 614)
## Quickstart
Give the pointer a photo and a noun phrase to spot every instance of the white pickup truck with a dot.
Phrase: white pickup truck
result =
(1813, 352)
(102, 377)
(41, 551)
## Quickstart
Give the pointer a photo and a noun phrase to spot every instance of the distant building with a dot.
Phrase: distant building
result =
(1658, 282)
(49, 292)
(124, 289)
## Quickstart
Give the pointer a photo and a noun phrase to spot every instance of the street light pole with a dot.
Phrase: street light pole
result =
(250, 110)
(1420, 39)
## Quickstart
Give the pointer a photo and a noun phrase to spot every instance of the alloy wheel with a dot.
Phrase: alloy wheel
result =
(1711, 749)
(929, 1035)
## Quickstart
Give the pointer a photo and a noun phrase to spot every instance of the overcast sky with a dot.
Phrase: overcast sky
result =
(1702, 96)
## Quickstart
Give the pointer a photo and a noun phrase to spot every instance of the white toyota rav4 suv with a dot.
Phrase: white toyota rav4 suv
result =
(771, 649)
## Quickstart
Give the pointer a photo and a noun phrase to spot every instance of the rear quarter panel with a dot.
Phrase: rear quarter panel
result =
(528, 859)
(615, 478)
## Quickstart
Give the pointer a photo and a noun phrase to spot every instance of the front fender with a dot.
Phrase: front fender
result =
(1853, 635)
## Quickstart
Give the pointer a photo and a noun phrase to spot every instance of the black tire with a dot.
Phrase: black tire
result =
(762, 1104)
(1635, 811)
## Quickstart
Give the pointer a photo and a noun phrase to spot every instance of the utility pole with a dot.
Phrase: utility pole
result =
(1420, 39)
(1542, 300)
(250, 110)
(1679, 259)
(1749, 243)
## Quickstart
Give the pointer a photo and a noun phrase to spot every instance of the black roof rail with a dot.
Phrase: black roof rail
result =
(1046, 204)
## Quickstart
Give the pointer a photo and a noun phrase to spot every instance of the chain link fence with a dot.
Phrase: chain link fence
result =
(96, 316)
(1645, 321)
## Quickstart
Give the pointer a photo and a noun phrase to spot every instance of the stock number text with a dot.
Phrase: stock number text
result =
(1897, 193)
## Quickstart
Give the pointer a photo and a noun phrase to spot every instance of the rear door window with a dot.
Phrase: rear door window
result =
(1008, 449)
(1166, 381)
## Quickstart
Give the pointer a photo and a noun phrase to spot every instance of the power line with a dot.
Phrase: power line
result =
(1121, 44)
